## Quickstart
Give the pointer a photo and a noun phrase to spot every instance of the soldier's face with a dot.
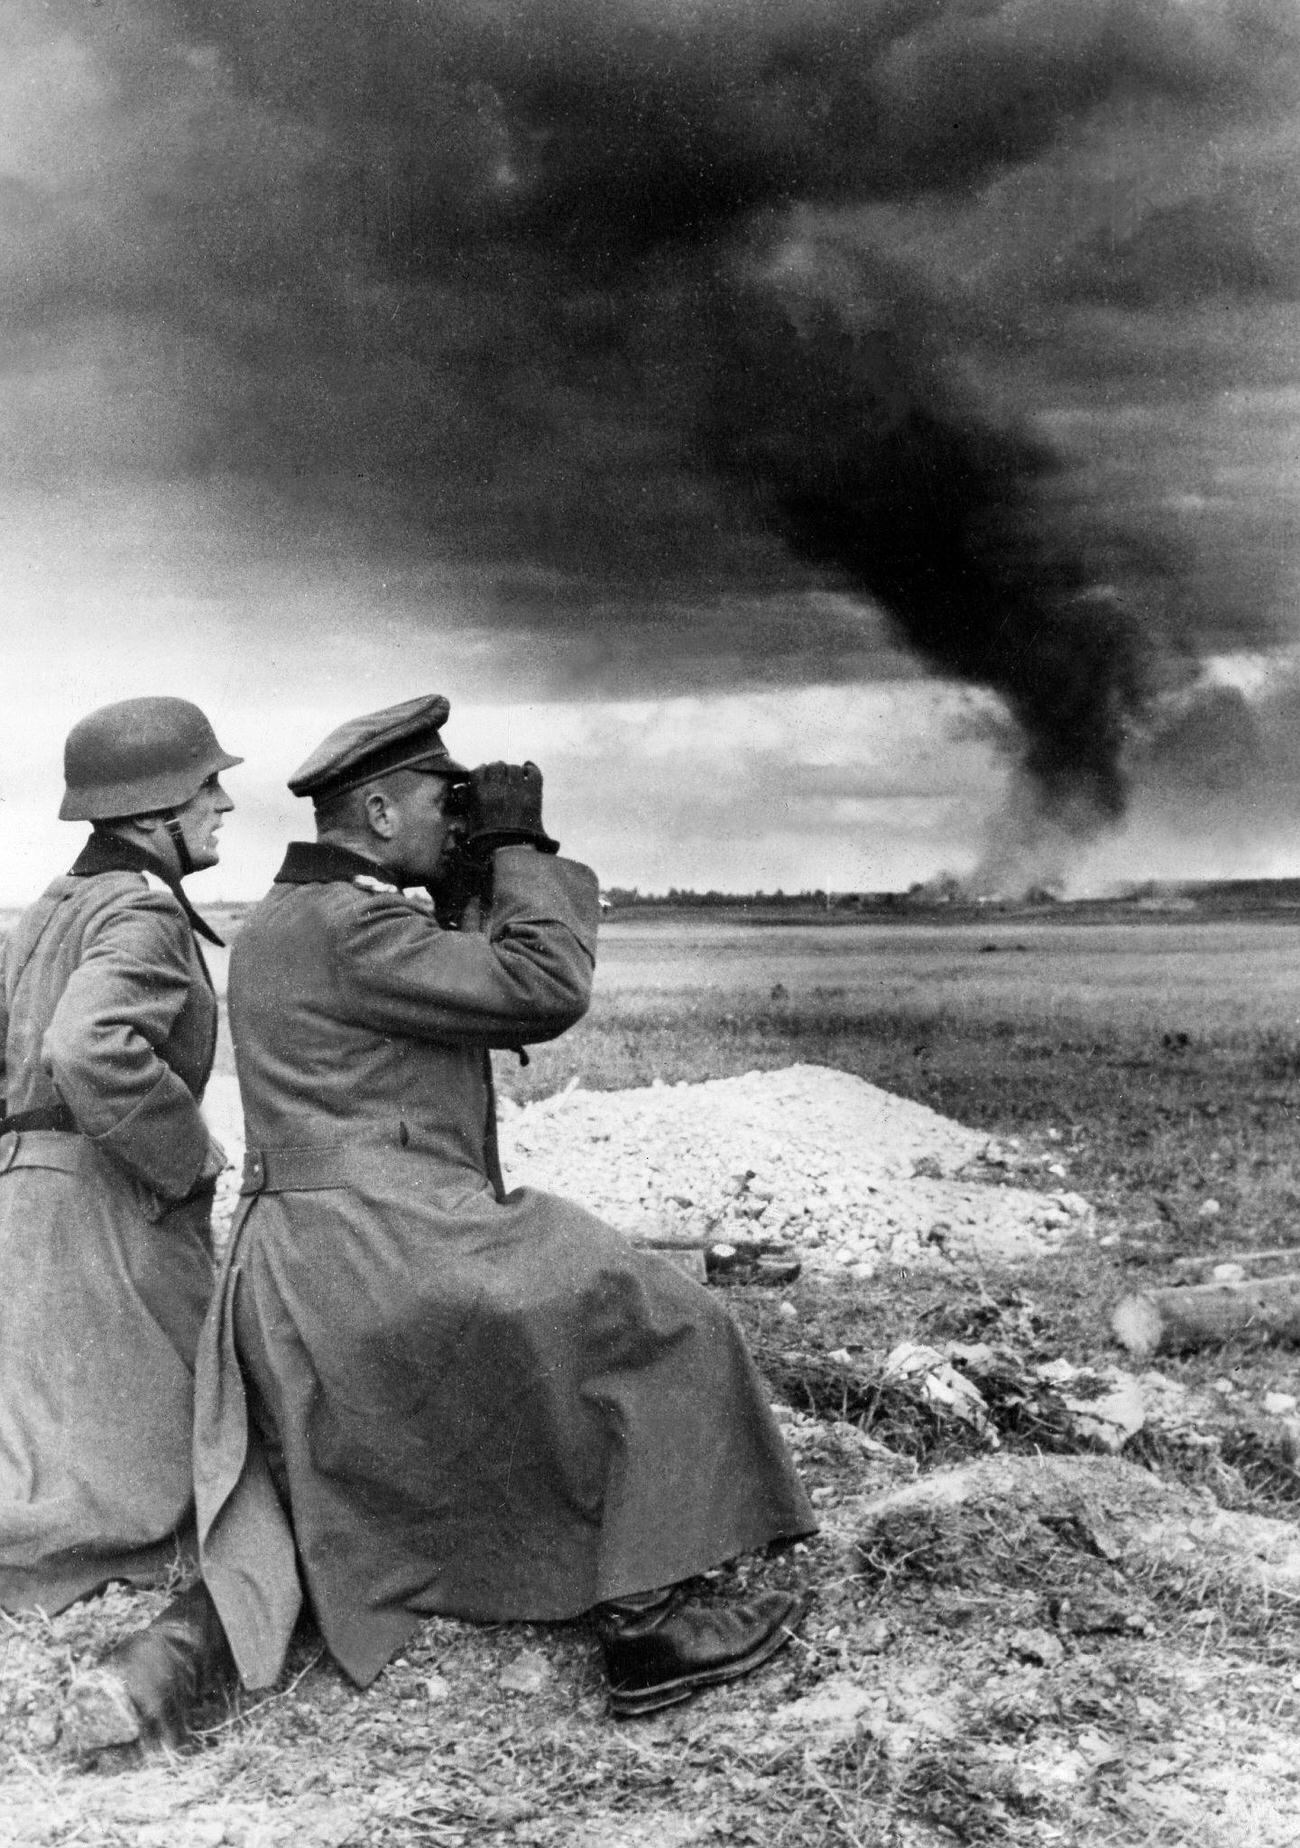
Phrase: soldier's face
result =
(424, 831)
(200, 820)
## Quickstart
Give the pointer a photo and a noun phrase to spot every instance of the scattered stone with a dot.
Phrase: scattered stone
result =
(98, 1714)
(43, 1731)
(204, 1832)
(528, 1673)
(1038, 1646)
(1059, 1371)
(1098, 1749)
(941, 1384)
(836, 1710)
(1112, 1419)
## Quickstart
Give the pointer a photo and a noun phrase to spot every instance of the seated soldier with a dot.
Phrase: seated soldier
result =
(423, 1393)
(108, 1025)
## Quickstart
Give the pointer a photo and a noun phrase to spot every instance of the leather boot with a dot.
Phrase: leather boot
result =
(146, 1689)
(662, 1652)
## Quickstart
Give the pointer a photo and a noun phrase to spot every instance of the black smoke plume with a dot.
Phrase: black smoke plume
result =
(832, 411)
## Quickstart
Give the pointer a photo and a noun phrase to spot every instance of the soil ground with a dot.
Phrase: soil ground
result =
(1013, 1637)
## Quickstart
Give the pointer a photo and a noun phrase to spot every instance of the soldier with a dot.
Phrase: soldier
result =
(108, 1025)
(466, 1401)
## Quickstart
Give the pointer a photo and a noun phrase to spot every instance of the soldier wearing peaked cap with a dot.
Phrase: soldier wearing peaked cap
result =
(405, 737)
(107, 1030)
(419, 1393)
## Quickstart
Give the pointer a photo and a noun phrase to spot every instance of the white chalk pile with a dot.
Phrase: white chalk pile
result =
(815, 1157)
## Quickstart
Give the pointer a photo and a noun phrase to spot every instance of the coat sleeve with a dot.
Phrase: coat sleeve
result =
(102, 1046)
(525, 977)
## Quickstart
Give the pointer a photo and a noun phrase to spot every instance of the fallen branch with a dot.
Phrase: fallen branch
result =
(1184, 1316)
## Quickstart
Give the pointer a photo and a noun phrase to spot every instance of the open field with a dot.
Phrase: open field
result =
(1062, 1648)
(1159, 974)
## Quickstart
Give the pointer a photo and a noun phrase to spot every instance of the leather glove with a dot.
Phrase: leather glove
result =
(506, 809)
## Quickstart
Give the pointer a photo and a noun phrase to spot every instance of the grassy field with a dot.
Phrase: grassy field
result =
(1159, 1064)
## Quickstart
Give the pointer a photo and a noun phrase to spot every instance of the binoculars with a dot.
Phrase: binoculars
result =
(459, 803)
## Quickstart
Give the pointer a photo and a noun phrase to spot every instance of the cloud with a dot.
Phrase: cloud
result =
(343, 318)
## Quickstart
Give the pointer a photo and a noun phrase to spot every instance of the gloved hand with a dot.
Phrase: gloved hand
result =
(506, 809)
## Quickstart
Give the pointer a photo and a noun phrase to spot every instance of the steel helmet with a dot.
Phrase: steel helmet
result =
(136, 757)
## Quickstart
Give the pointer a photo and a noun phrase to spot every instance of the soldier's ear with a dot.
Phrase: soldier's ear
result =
(381, 817)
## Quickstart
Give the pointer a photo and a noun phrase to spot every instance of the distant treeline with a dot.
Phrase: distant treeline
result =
(1215, 897)
(679, 896)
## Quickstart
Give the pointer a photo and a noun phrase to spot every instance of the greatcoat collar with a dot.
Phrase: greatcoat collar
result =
(323, 862)
(112, 853)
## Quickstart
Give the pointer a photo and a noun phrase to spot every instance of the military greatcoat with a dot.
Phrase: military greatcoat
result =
(485, 1404)
(108, 1023)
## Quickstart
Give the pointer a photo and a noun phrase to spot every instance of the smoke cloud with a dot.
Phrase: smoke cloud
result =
(837, 415)
(657, 321)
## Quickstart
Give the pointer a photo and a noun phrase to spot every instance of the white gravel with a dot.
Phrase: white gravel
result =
(809, 1156)
(851, 1175)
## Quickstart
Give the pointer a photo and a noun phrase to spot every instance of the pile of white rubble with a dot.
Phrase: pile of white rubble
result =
(807, 1156)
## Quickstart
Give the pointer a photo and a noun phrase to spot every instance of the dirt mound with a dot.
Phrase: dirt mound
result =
(850, 1173)
(1052, 1524)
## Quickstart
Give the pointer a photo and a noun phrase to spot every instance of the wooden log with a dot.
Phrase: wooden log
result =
(1196, 1315)
(1208, 1259)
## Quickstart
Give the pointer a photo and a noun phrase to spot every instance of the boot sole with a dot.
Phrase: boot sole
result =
(632, 1705)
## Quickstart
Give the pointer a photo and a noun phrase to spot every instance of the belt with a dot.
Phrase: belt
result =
(302, 1170)
(44, 1148)
(47, 1117)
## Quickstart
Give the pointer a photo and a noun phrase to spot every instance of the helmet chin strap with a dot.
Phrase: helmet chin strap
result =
(179, 842)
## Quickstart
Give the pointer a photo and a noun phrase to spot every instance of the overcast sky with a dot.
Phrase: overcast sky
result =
(840, 440)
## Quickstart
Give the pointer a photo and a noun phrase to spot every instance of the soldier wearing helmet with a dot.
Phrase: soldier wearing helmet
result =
(108, 1026)
(148, 770)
